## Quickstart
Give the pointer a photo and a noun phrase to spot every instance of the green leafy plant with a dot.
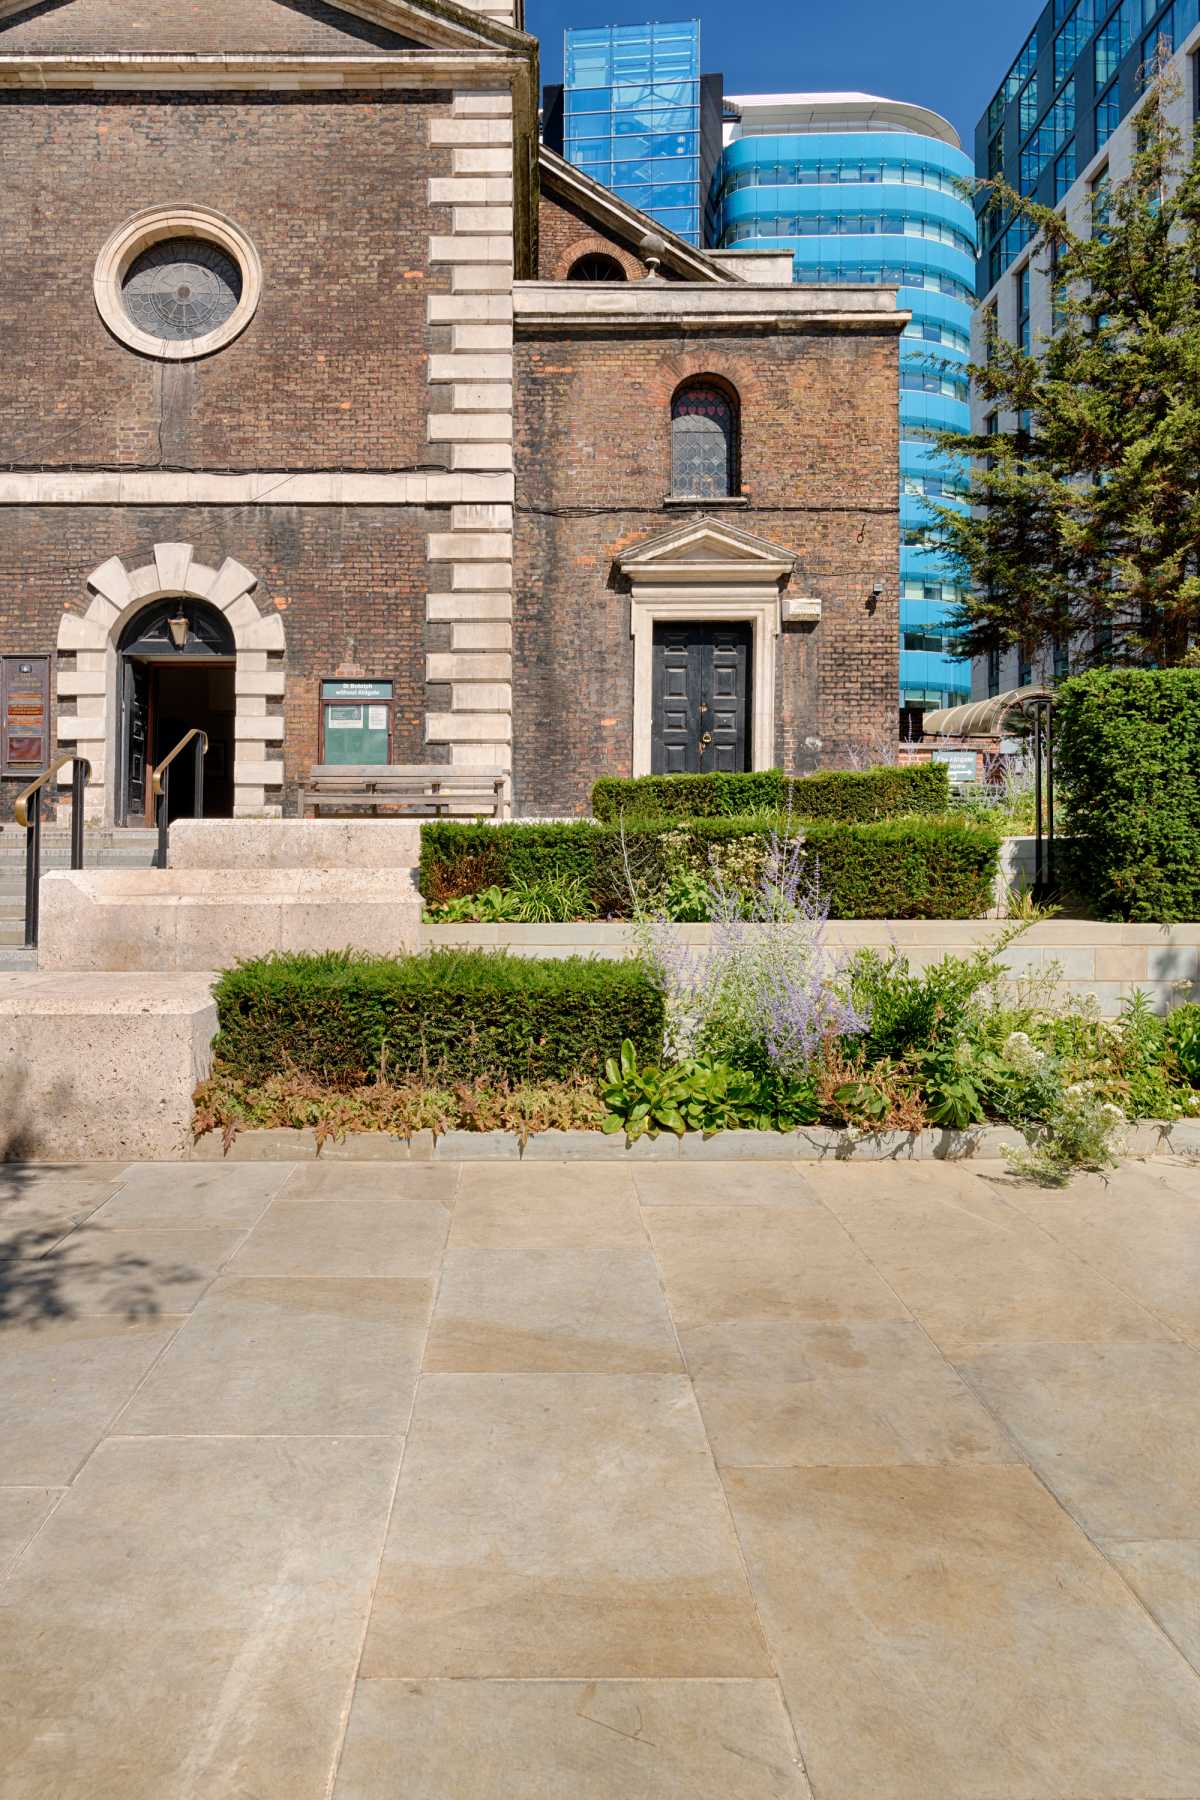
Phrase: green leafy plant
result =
(554, 901)
(1128, 756)
(1181, 1034)
(699, 1094)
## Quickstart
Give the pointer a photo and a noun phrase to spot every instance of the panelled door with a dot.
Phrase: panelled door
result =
(135, 734)
(701, 680)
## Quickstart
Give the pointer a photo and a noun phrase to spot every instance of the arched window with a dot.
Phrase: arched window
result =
(704, 440)
(595, 266)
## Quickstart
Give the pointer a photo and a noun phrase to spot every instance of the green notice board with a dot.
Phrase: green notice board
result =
(356, 721)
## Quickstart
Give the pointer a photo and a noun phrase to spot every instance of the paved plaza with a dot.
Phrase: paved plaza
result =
(559, 1482)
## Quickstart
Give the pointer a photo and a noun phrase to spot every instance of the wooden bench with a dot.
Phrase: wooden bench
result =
(408, 790)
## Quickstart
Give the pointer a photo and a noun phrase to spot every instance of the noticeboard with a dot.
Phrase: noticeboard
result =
(24, 714)
(356, 722)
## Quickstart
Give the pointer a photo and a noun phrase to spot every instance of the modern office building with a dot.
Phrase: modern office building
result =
(862, 189)
(1060, 127)
(635, 112)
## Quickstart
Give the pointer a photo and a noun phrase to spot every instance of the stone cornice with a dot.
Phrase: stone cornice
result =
(441, 68)
(670, 306)
(195, 487)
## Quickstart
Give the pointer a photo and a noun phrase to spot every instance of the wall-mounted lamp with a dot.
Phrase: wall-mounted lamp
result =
(876, 594)
(179, 628)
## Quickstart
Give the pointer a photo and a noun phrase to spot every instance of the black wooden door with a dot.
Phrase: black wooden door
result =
(135, 706)
(701, 681)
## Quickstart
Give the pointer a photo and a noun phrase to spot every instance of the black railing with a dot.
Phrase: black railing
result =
(1043, 797)
(28, 813)
(160, 787)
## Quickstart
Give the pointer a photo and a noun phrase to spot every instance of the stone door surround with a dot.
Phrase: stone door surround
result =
(706, 572)
(89, 660)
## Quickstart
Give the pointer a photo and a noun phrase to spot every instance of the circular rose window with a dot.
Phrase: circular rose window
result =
(182, 288)
(177, 282)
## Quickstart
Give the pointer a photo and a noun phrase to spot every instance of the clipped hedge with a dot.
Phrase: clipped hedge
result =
(1127, 757)
(883, 793)
(455, 1014)
(896, 869)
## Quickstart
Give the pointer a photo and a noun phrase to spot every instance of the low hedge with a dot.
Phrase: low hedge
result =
(897, 869)
(883, 793)
(345, 1019)
(1127, 760)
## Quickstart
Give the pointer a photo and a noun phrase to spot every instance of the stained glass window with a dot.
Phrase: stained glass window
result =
(181, 288)
(703, 442)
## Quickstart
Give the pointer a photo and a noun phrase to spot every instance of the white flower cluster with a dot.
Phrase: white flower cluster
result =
(1022, 1054)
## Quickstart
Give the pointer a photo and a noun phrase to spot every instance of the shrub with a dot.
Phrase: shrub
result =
(1128, 760)
(347, 1019)
(850, 797)
(896, 869)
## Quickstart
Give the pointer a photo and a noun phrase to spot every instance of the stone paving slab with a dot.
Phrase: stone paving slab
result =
(949, 1634)
(537, 1312)
(1138, 1231)
(583, 1207)
(570, 1740)
(974, 1270)
(187, 1621)
(639, 1480)
(22, 1511)
(63, 1382)
(1165, 1574)
(1112, 1429)
(189, 1198)
(786, 1395)
(350, 1238)
(321, 1357)
(589, 1536)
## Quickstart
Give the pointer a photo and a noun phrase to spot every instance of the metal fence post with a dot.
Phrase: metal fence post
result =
(78, 782)
(33, 869)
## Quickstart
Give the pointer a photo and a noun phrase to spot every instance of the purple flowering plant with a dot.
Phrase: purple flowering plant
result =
(766, 992)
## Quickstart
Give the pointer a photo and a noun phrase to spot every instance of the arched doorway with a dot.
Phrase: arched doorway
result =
(175, 672)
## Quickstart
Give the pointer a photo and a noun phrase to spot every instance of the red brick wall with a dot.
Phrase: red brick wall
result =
(565, 234)
(301, 26)
(819, 462)
(332, 189)
(349, 584)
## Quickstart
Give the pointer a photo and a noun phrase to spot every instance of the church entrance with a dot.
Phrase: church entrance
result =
(175, 673)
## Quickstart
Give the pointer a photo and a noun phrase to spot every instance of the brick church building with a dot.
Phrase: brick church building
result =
(340, 419)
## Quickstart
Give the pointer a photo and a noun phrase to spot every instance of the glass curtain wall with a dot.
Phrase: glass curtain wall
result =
(880, 206)
(1079, 72)
(631, 116)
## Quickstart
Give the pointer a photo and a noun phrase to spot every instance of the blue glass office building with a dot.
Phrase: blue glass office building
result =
(1077, 75)
(635, 113)
(863, 190)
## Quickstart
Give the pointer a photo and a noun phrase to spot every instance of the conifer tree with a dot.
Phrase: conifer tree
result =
(1085, 526)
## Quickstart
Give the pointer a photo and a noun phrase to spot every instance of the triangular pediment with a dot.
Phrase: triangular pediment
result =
(614, 218)
(242, 27)
(707, 547)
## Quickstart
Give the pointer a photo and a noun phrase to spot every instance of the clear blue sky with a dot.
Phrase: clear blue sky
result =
(948, 54)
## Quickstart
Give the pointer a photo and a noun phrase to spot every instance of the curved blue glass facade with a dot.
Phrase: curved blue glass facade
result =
(880, 206)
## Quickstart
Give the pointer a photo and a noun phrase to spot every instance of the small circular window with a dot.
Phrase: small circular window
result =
(177, 282)
(182, 288)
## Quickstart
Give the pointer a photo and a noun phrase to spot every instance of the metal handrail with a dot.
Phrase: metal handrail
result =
(160, 786)
(81, 770)
(21, 810)
(156, 774)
